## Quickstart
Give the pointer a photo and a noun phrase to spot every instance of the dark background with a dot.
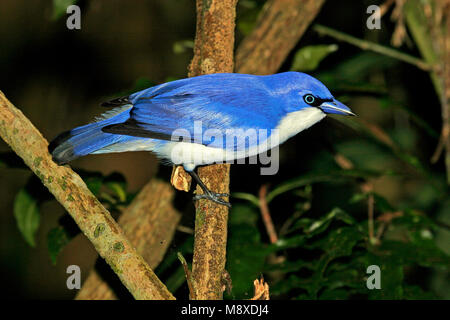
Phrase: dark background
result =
(58, 78)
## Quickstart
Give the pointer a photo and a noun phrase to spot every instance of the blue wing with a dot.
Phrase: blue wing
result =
(216, 102)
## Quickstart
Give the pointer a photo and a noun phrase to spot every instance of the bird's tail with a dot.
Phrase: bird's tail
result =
(88, 139)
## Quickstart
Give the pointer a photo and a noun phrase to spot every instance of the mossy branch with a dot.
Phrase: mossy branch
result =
(149, 222)
(89, 214)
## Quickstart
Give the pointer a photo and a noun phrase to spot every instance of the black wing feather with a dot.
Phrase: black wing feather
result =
(132, 128)
(117, 102)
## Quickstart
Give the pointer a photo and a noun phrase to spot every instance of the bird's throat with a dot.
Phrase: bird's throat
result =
(297, 121)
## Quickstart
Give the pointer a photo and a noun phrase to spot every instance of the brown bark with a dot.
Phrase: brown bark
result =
(90, 215)
(279, 27)
(213, 53)
(149, 222)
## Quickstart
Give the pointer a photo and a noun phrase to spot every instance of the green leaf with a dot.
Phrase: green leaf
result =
(247, 15)
(376, 156)
(314, 227)
(381, 203)
(300, 224)
(391, 278)
(359, 67)
(117, 184)
(291, 242)
(290, 266)
(183, 46)
(321, 225)
(246, 196)
(309, 57)
(292, 282)
(246, 254)
(416, 293)
(339, 243)
(311, 228)
(333, 244)
(242, 214)
(421, 251)
(420, 246)
(357, 197)
(333, 176)
(26, 212)
(60, 7)
(57, 239)
(93, 180)
(393, 256)
(347, 277)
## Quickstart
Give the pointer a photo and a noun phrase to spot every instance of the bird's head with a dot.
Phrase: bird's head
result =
(304, 91)
(327, 105)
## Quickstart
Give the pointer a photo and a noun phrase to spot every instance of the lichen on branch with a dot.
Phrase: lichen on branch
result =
(90, 215)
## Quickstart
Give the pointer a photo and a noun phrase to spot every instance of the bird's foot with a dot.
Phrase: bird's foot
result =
(213, 196)
(208, 194)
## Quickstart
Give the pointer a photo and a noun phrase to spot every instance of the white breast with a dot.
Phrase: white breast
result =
(298, 121)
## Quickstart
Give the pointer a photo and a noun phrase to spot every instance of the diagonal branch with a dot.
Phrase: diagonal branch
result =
(280, 25)
(372, 46)
(149, 222)
(90, 215)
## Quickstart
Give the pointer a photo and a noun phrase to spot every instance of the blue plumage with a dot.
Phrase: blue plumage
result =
(203, 120)
(220, 105)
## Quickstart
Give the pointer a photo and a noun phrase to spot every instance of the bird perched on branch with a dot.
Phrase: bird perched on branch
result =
(206, 119)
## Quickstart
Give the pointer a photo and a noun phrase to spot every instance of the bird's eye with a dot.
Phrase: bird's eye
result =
(309, 99)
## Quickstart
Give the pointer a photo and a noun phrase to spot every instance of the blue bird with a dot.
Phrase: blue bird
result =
(205, 119)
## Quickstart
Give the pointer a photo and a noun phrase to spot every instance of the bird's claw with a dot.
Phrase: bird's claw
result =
(215, 197)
